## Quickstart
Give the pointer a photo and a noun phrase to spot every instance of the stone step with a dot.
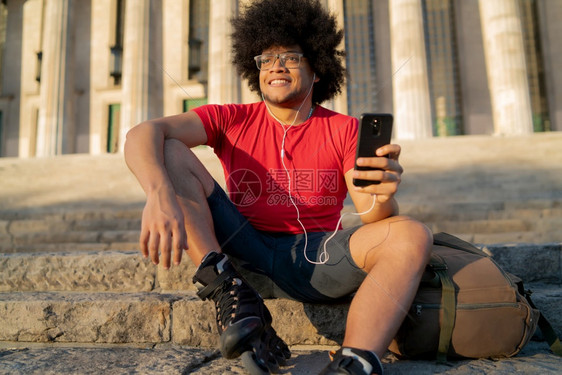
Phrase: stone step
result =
(115, 271)
(91, 236)
(479, 231)
(457, 208)
(87, 241)
(128, 271)
(23, 227)
(511, 237)
(122, 218)
(83, 212)
(108, 220)
(534, 220)
(506, 230)
(478, 224)
(494, 231)
(476, 231)
(178, 318)
(123, 318)
(9, 248)
(483, 210)
(489, 185)
(488, 226)
(48, 223)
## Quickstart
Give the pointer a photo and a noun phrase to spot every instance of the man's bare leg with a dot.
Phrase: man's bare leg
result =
(394, 252)
(192, 184)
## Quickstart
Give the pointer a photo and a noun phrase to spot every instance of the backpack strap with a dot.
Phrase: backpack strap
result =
(448, 306)
(545, 326)
(550, 336)
(448, 240)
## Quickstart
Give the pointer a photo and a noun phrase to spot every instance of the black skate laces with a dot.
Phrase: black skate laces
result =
(234, 299)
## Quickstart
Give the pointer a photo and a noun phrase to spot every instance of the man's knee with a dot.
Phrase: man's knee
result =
(175, 151)
(406, 238)
(398, 237)
(416, 237)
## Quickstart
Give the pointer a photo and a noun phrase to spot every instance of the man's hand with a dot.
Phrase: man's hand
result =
(389, 174)
(162, 228)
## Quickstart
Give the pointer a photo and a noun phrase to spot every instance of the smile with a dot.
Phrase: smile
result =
(278, 82)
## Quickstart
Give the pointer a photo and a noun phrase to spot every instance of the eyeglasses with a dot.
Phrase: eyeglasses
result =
(289, 60)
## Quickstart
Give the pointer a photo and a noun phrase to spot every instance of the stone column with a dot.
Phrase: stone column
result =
(142, 67)
(15, 133)
(175, 15)
(550, 14)
(505, 64)
(55, 134)
(412, 110)
(224, 83)
(339, 103)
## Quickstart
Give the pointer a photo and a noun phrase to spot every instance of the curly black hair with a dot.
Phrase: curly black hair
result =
(267, 23)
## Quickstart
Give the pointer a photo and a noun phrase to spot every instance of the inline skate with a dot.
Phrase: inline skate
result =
(243, 321)
(353, 361)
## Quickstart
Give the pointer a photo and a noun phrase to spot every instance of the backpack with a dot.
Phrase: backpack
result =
(467, 306)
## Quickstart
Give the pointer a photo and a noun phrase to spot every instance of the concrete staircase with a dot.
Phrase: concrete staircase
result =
(70, 272)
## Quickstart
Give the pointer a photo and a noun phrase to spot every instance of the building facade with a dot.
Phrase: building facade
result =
(76, 75)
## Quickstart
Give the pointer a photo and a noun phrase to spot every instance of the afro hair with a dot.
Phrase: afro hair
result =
(267, 23)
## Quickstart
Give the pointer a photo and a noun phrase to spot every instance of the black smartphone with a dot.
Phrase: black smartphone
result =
(375, 130)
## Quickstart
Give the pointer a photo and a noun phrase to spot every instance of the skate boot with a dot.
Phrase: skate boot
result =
(243, 321)
(353, 362)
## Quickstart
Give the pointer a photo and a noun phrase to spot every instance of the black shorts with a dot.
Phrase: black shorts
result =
(281, 256)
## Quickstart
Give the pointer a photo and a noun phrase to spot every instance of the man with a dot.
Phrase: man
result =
(288, 165)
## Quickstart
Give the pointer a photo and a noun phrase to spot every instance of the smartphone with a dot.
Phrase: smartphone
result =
(375, 130)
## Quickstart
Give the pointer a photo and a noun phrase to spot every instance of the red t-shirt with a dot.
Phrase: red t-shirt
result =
(317, 154)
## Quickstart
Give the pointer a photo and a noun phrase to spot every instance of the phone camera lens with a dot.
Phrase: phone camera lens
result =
(376, 126)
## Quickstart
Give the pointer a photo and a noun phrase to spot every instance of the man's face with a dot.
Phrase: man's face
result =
(283, 86)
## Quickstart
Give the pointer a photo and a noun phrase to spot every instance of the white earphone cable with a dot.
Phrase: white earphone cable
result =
(324, 256)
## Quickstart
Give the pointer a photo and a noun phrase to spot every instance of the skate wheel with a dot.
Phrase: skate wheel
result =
(253, 365)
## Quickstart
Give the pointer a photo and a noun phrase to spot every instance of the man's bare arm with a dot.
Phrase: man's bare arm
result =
(162, 222)
(389, 176)
(144, 146)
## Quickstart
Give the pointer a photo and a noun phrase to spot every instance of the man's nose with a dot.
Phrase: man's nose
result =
(277, 64)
